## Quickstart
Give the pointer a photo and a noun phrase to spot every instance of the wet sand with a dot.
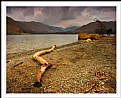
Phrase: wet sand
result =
(79, 67)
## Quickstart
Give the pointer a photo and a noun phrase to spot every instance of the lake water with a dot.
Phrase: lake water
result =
(20, 43)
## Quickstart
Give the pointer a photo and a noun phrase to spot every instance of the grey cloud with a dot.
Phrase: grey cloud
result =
(59, 13)
(53, 15)
(28, 12)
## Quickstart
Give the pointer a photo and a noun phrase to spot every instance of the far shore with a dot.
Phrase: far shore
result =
(41, 33)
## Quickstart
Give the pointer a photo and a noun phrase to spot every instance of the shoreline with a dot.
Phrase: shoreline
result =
(78, 67)
(31, 52)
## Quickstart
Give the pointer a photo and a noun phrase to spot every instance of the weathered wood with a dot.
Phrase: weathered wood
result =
(17, 64)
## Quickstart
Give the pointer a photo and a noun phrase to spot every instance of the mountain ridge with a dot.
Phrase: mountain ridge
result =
(21, 27)
(93, 26)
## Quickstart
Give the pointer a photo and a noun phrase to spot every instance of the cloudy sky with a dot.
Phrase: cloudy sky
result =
(62, 16)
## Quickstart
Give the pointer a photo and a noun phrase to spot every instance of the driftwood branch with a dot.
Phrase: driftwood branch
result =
(17, 64)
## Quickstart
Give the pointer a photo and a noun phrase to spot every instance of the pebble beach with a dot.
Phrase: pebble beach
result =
(77, 68)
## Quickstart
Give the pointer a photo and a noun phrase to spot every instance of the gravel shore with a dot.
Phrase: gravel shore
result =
(77, 68)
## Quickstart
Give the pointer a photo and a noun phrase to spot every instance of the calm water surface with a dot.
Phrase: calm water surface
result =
(19, 43)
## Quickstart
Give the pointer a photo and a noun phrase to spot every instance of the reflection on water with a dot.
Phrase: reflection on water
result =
(19, 43)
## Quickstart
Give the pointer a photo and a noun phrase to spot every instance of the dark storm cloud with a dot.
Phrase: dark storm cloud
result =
(108, 8)
(28, 12)
(61, 16)
(60, 13)
(8, 10)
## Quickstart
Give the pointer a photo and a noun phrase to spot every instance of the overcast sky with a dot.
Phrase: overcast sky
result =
(62, 16)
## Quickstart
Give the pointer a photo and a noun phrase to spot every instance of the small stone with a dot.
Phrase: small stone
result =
(102, 83)
(103, 78)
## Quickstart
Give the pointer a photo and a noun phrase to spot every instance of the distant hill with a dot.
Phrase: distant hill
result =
(19, 27)
(72, 28)
(93, 26)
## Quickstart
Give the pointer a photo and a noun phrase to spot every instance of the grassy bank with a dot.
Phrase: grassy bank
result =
(77, 68)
